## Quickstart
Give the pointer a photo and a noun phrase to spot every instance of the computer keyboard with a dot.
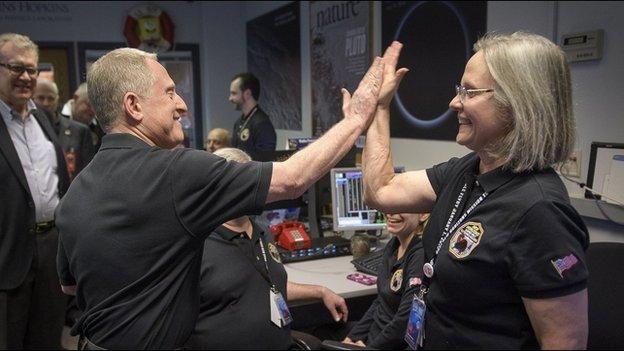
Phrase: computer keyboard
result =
(321, 248)
(370, 263)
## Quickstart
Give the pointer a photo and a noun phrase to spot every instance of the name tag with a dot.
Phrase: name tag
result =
(415, 333)
(280, 315)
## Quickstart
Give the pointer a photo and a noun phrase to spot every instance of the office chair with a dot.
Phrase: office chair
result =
(304, 341)
(605, 288)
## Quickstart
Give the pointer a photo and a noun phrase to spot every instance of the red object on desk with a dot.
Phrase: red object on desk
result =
(291, 235)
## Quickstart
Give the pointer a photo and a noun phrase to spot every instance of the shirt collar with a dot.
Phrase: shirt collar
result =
(122, 141)
(8, 113)
(493, 179)
(229, 235)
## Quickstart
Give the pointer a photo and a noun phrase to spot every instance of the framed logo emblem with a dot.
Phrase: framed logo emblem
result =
(274, 253)
(465, 239)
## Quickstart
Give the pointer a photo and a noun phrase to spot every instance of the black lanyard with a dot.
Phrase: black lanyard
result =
(265, 274)
(428, 268)
(242, 127)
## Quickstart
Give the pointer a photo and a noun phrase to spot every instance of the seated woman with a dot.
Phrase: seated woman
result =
(383, 326)
(241, 272)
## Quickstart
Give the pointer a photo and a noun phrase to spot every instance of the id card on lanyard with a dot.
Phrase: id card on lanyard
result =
(415, 333)
(280, 315)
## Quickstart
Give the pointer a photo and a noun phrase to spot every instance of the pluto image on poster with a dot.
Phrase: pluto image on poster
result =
(438, 38)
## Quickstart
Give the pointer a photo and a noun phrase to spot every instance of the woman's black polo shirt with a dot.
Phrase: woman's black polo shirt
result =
(132, 228)
(383, 326)
(523, 240)
(234, 308)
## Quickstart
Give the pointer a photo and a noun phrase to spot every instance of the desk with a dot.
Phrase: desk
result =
(329, 272)
(332, 273)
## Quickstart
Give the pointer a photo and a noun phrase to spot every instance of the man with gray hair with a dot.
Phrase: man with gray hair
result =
(131, 249)
(34, 178)
(79, 109)
(74, 137)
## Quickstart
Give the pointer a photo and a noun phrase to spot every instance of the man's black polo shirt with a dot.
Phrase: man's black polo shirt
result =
(132, 227)
(234, 309)
(383, 326)
(523, 240)
(254, 134)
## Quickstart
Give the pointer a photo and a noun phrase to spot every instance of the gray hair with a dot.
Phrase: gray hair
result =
(223, 135)
(112, 76)
(48, 84)
(233, 154)
(81, 91)
(21, 42)
(533, 96)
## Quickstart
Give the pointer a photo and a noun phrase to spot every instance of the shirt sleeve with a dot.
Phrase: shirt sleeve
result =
(440, 174)
(360, 331)
(208, 191)
(62, 266)
(392, 335)
(546, 253)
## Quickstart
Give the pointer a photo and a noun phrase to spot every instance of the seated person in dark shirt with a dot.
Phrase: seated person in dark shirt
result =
(239, 266)
(383, 326)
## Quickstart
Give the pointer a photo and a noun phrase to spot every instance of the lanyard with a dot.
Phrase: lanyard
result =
(428, 268)
(266, 275)
(241, 128)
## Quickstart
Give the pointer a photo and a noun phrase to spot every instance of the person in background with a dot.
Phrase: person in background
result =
(131, 249)
(253, 131)
(400, 274)
(34, 178)
(74, 137)
(504, 249)
(79, 109)
(217, 138)
(233, 291)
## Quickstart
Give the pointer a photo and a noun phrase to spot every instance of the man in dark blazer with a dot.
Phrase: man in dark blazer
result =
(74, 137)
(34, 178)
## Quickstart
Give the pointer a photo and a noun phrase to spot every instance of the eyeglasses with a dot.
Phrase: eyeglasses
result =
(19, 70)
(462, 92)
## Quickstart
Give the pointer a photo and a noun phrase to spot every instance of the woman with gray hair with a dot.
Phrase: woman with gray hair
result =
(504, 249)
(234, 308)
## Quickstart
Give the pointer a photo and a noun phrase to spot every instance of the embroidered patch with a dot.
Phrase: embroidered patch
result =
(466, 239)
(565, 263)
(274, 253)
(397, 280)
(415, 281)
(245, 134)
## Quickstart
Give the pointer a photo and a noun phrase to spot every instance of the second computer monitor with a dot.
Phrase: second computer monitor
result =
(348, 208)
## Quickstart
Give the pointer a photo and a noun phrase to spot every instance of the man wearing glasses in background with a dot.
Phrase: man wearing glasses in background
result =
(34, 177)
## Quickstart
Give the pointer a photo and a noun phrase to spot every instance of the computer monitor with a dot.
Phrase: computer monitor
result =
(348, 208)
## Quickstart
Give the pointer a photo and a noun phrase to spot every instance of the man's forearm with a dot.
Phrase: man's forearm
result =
(298, 291)
(308, 165)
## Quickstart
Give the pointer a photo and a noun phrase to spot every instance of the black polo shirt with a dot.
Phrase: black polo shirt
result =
(254, 133)
(383, 326)
(523, 240)
(234, 308)
(132, 227)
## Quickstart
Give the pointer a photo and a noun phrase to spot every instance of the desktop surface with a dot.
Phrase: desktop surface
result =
(329, 272)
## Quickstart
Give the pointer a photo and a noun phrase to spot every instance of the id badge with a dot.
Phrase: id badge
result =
(280, 315)
(415, 332)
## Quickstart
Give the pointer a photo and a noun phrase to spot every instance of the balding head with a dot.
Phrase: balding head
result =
(46, 96)
(217, 139)
(81, 108)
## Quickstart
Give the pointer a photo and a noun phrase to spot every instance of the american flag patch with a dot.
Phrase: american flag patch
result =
(565, 263)
(415, 281)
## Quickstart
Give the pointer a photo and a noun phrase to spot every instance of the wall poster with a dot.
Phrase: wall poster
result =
(273, 55)
(340, 49)
(438, 37)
